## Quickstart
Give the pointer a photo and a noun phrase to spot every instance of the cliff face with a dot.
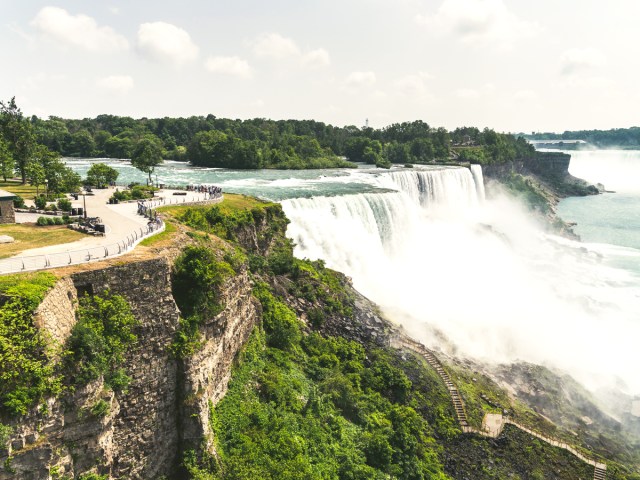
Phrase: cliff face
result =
(165, 408)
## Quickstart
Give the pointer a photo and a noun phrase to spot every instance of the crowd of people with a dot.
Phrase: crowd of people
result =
(211, 190)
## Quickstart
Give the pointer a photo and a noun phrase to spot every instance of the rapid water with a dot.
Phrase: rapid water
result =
(471, 276)
(478, 278)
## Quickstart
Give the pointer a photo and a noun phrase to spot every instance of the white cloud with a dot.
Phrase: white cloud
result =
(79, 31)
(467, 93)
(164, 42)
(116, 83)
(233, 66)
(115, 10)
(274, 45)
(316, 59)
(580, 59)
(360, 79)
(413, 85)
(478, 21)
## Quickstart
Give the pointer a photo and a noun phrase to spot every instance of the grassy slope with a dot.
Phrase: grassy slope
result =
(29, 236)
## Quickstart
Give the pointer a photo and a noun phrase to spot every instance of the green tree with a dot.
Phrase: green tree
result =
(147, 155)
(101, 175)
(18, 132)
(82, 144)
(7, 163)
(36, 175)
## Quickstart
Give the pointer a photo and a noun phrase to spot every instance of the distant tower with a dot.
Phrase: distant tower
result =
(366, 123)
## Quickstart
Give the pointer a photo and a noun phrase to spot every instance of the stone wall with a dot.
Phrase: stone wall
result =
(7, 213)
(207, 372)
(56, 314)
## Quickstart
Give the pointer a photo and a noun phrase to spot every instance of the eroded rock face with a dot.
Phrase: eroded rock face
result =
(143, 430)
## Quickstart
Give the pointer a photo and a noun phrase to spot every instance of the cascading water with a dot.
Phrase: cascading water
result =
(435, 258)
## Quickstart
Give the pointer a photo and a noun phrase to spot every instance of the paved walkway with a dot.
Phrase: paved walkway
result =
(124, 229)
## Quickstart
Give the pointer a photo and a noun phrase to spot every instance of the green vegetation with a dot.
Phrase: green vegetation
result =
(21, 152)
(101, 175)
(27, 373)
(99, 340)
(320, 408)
(27, 236)
(524, 189)
(260, 143)
(147, 155)
(169, 230)
(196, 281)
(136, 192)
(628, 138)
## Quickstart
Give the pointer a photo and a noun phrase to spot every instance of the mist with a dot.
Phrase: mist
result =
(617, 170)
(479, 278)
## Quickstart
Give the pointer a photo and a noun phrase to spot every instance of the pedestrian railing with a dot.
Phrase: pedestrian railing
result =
(75, 257)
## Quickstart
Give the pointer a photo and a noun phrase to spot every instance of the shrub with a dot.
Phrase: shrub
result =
(26, 373)
(40, 202)
(18, 202)
(42, 221)
(64, 204)
(99, 340)
(58, 221)
(100, 408)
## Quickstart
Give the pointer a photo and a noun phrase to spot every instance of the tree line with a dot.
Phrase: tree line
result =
(615, 137)
(245, 144)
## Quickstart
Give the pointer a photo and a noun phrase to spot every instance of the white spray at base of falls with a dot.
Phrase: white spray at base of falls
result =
(481, 273)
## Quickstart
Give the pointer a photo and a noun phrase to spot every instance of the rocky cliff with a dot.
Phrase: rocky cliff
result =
(165, 408)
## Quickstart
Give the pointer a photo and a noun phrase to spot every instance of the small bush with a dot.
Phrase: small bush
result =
(42, 221)
(58, 221)
(40, 202)
(64, 204)
(100, 409)
(18, 202)
(99, 340)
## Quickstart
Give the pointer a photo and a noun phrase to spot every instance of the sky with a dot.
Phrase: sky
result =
(512, 65)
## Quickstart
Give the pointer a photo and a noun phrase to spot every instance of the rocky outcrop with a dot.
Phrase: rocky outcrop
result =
(206, 374)
(141, 432)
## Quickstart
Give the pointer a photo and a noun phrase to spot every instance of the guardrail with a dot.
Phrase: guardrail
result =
(75, 257)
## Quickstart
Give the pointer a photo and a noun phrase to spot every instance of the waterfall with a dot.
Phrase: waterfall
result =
(438, 257)
(476, 171)
(451, 187)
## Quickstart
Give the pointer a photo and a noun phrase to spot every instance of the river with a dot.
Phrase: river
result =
(467, 275)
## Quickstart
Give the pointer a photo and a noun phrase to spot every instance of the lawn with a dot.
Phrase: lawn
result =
(25, 191)
(231, 201)
(31, 236)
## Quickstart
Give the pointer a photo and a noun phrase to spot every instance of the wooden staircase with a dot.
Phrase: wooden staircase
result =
(600, 473)
(600, 469)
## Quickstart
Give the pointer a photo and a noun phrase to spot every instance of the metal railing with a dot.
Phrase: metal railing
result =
(85, 255)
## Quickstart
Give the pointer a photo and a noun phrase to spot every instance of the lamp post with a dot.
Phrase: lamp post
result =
(46, 188)
(84, 202)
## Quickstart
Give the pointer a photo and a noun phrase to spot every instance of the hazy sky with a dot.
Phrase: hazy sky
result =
(514, 65)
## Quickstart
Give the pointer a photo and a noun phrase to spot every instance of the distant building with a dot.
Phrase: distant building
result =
(7, 213)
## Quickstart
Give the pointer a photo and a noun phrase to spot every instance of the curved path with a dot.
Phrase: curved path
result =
(493, 423)
(125, 228)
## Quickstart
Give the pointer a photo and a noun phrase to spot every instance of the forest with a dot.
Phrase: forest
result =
(626, 138)
(244, 144)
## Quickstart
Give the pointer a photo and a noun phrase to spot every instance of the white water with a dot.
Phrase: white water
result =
(478, 273)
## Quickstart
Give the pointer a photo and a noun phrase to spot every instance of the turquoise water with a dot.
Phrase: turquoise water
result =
(275, 185)
(609, 219)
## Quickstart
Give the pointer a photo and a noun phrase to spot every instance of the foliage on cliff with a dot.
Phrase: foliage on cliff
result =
(30, 367)
(196, 280)
(27, 374)
(100, 339)
(304, 406)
